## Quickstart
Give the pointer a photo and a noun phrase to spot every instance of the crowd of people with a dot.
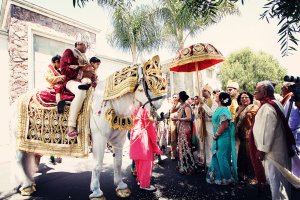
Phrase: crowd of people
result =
(235, 135)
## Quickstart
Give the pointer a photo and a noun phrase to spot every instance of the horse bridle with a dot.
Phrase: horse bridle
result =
(146, 89)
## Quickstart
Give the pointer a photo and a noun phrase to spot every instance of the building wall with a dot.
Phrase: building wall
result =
(23, 28)
(4, 63)
(110, 65)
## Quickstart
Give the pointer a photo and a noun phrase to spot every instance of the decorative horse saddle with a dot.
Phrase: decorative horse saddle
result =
(41, 130)
(121, 82)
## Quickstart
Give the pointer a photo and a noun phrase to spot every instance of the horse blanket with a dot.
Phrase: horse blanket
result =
(41, 130)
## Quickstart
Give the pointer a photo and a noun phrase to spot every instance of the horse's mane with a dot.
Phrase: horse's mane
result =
(123, 105)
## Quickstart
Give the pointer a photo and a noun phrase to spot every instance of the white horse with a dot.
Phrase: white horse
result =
(146, 94)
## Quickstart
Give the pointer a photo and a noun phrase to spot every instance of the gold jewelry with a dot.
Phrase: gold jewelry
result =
(117, 122)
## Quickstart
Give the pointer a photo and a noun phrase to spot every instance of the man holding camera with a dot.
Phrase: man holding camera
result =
(291, 112)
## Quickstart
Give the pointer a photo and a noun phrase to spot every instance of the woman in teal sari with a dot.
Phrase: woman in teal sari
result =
(223, 167)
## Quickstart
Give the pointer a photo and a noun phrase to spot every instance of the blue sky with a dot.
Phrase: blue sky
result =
(231, 34)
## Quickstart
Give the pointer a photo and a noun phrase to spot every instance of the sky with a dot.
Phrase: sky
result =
(229, 35)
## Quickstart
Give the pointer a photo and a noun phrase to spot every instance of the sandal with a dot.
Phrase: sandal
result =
(72, 134)
(150, 188)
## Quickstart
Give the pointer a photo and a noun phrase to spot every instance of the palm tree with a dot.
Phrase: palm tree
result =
(135, 30)
(103, 3)
(286, 11)
(180, 23)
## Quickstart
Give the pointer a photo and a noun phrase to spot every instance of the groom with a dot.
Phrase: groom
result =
(72, 62)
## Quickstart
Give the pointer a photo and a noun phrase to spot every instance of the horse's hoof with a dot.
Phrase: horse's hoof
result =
(123, 193)
(98, 198)
(28, 190)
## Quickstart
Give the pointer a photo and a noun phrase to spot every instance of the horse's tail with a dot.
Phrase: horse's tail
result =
(19, 160)
(9, 157)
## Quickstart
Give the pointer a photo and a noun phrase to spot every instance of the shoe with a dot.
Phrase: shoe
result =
(61, 107)
(72, 134)
(84, 87)
(150, 188)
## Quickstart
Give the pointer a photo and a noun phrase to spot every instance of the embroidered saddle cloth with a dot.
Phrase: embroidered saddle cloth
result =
(47, 97)
(121, 82)
(41, 130)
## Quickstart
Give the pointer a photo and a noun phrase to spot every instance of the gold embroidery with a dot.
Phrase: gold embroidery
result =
(121, 82)
(153, 76)
(117, 122)
(125, 80)
(41, 130)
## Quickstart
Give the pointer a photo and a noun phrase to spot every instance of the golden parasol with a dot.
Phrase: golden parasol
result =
(196, 57)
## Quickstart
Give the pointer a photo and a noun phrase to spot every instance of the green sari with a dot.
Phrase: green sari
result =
(223, 167)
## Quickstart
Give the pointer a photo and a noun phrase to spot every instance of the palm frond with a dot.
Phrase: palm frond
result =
(104, 3)
(288, 13)
(135, 29)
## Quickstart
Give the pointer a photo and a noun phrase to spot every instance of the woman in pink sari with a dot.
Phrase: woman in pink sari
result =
(143, 146)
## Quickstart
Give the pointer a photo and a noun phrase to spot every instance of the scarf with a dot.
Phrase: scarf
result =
(82, 59)
(208, 102)
(241, 115)
(257, 165)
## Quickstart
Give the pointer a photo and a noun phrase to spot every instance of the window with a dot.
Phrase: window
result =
(43, 50)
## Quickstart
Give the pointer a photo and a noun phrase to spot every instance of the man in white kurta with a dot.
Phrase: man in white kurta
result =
(270, 139)
(208, 106)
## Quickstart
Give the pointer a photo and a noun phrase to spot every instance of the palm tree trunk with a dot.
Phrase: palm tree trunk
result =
(134, 54)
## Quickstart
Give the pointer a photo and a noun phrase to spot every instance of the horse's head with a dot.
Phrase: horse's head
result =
(152, 87)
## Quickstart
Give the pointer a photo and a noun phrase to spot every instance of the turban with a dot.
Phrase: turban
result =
(83, 37)
(208, 88)
(232, 84)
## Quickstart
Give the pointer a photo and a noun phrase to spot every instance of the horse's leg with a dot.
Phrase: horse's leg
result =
(24, 172)
(118, 169)
(99, 145)
(122, 188)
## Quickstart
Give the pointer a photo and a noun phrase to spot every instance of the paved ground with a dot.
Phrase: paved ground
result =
(71, 178)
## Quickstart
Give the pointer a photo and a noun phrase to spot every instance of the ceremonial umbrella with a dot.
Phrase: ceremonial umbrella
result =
(197, 57)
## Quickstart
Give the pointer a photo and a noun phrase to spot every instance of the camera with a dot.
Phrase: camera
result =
(294, 88)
